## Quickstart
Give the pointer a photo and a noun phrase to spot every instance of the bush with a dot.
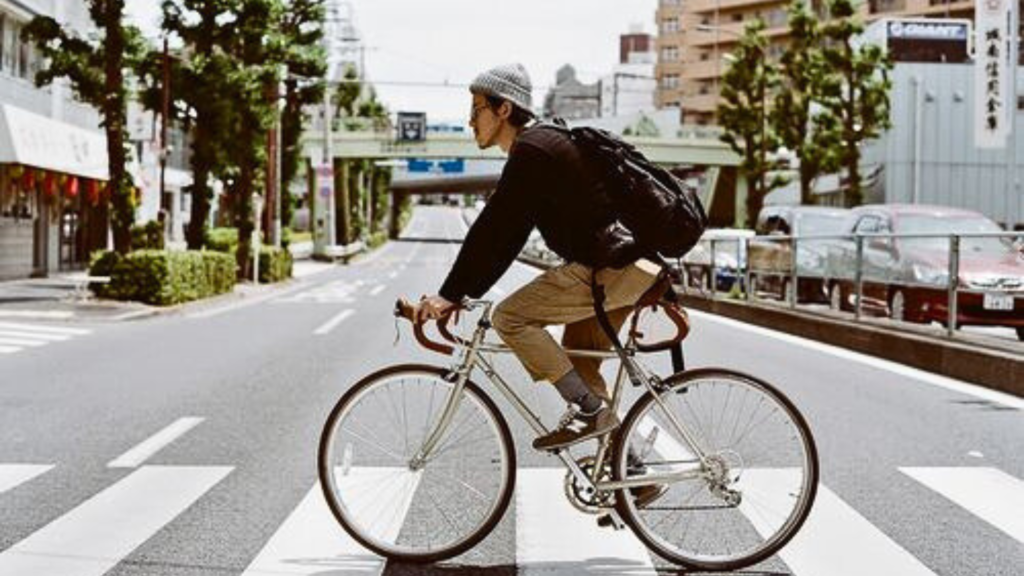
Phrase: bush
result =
(148, 236)
(160, 277)
(222, 239)
(275, 264)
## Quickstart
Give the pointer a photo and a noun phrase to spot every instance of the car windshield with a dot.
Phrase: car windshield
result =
(953, 225)
(820, 224)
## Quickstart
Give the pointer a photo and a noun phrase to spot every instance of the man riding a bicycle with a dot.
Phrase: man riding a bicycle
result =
(548, 184)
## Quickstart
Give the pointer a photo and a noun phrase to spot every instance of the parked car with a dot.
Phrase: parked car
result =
(907, 278)
(771, 259)
(730, 259)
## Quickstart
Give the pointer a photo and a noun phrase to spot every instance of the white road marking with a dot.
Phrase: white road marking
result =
(310, 541)
(19, 341)
(211, 312)
(41, 314)
(497, 291)
(889, 366)
(329, 293)
(12, 475)
(155, 443)
(393, 275)
(554, 538)
(333, 322)
(95, 536)
(378, 289)
(9, 349)
(988, 493)
(59, 330)
(835, 540)
(34, 335)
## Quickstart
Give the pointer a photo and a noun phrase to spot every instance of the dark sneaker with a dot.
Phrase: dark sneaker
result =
(576, 427)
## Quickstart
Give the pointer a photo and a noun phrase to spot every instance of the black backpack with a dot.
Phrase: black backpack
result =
(665, 216)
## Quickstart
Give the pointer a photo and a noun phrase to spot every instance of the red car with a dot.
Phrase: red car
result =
(907, 278)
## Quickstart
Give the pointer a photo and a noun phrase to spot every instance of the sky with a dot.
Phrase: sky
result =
(451, 41)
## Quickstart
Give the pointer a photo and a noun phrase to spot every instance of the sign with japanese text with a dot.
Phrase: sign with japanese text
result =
(993, 107)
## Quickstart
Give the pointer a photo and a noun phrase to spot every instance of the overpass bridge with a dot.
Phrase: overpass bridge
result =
(692, 147)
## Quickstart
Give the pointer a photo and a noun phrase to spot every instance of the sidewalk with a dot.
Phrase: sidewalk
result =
(54, 299)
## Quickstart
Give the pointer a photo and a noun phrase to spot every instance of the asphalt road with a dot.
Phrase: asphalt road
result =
(185, 444)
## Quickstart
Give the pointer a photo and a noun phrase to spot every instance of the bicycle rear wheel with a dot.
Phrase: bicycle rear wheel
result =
(395, 508)
(756, 485)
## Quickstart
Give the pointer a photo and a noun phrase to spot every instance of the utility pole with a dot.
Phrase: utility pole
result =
(166, 204)
(272, 214)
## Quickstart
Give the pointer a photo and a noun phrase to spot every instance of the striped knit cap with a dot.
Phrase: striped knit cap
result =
(509, 81)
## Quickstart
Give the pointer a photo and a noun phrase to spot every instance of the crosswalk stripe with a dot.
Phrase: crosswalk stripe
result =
(553, 538)
(990, 494)
(311, 541)
(7, 341)
(34, 335)
(44, 329)
(95, 536)
(12, 475)
(154, 443)
(9, 349)
(825, 543)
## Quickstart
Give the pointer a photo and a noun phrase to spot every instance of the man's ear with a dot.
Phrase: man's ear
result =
(505, 110)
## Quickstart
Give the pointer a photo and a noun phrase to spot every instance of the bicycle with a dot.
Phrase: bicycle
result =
(417, 463)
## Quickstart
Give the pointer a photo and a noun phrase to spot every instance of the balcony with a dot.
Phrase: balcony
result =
(704, 6)
(886, 6)
(703, 69)
(700, 102)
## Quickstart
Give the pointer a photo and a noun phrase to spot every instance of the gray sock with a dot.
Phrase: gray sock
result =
(573, 389)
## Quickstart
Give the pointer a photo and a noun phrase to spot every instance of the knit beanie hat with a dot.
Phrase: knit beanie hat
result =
(509, 81)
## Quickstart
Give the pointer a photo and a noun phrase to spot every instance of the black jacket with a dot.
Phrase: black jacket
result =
(548, 184)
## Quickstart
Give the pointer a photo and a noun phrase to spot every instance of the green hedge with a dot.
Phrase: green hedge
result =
(148, 236)
(275, 264)
(222, 239)
(160, 277)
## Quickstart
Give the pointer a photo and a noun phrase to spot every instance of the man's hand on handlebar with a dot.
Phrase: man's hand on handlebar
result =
(432, 308)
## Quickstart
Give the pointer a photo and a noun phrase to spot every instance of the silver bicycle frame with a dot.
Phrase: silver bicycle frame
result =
(472, 358)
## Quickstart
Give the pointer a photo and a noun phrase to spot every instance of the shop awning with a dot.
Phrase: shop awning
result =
(32, 140)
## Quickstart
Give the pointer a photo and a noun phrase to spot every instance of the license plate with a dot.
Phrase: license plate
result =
(998, 302)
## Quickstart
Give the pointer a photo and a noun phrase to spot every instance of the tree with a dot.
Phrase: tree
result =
(306, 62)
(95, 69)
(857, 105)
(804, 79)
(200, 98)
(742, 113)
(254, 42)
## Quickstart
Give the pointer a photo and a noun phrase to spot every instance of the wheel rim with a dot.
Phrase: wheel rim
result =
(696, 522)
(394, 508)
(898, 307)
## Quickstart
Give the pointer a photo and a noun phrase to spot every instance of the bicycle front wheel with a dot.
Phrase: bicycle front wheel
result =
(746, 497)
(401, 509)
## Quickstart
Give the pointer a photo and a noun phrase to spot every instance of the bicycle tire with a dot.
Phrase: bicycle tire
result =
(772, 544)
(325, 464)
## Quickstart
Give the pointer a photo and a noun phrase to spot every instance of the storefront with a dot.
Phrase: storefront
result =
(53, 197)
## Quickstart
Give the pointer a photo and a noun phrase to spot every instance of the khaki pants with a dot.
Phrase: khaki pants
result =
(562, 295)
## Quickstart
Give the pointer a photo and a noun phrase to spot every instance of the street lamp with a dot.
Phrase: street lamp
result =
(764, 93)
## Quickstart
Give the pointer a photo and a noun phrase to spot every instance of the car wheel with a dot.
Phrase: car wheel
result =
(835, 298)
(898, 306)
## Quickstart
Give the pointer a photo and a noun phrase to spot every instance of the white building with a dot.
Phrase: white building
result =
(53, 157)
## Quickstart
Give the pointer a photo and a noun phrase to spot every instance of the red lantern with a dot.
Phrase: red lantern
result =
(71, 187)
(28, 180)
(50, 186)
(92, 192)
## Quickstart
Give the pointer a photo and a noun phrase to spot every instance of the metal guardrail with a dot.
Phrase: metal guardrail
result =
(792, 273)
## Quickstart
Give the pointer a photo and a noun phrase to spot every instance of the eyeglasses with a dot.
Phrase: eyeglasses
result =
(475, 112)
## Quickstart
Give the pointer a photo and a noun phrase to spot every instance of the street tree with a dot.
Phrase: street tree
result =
(256, 46)
(96, 69)
(306, 62)
(856, 105)
(804, 78)
(742, 113)
(200, 101)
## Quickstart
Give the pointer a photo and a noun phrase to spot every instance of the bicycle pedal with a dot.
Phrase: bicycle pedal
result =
(606, 521)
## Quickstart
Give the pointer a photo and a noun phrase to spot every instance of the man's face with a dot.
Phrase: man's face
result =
(484, 121)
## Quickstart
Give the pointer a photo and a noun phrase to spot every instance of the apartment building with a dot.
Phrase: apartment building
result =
(695, 36)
